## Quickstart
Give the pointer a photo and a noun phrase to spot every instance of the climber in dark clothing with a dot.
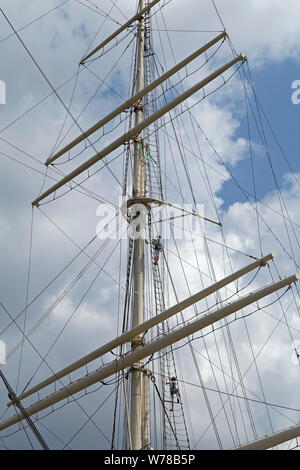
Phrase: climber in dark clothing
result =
(157, 248)
(174, 391)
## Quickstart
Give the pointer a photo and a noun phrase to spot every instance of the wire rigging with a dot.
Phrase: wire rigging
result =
(34, 21)
(194, 198)
(168, 357)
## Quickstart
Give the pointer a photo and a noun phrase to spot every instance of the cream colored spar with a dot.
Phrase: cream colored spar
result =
(272, 440)
(148, 200)
(128, 336)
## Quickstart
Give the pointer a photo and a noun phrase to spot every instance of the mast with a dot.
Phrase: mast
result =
(132, 361)
(137, 403)
(154, 346)
(139, 202)
(148, 324)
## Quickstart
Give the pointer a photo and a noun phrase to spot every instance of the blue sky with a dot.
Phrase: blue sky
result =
(272, 84)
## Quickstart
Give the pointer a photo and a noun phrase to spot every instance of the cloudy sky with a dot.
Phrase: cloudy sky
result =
(241, 150)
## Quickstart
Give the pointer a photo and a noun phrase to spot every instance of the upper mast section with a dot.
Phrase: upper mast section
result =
(120, 30)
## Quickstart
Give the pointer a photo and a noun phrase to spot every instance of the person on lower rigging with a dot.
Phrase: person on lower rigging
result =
(156, 242)
(174, 391)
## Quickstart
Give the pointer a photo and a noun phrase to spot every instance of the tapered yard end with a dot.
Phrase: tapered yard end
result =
(267, 258)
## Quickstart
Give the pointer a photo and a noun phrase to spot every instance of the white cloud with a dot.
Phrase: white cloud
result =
(264, 30)
(86, 319)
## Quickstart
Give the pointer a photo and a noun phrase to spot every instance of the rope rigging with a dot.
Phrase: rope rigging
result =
(216, 432)
(18, 404)
(34, 21)
(169, 172)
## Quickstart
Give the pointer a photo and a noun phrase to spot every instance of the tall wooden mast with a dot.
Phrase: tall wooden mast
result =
(136, 401)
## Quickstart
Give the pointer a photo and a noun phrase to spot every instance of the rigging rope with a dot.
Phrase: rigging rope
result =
(72, 315)
(27, 295)
(18, 405)
(60, 298)
(34, 21)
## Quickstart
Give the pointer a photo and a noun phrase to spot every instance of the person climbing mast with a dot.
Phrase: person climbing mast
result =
(174, 391)
(157, 248)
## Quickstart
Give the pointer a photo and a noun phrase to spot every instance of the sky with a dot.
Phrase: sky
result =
(244, 171)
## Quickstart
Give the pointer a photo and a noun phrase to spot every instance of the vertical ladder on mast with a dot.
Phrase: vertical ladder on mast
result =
(146, 180)
(167, 369)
